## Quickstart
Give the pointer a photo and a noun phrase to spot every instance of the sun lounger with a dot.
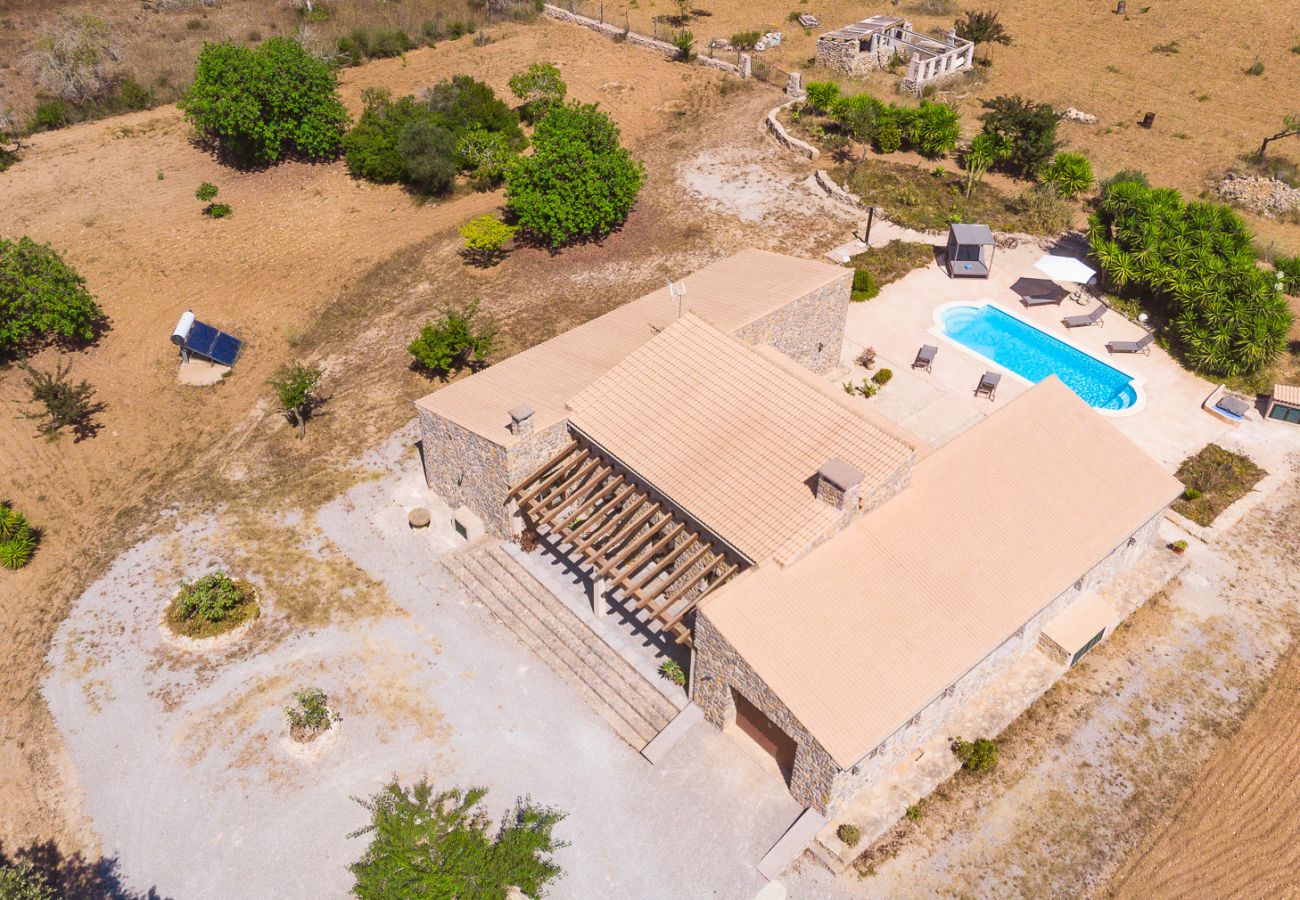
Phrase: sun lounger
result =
(1092, 318)
(1141, 345)
(1233, 406)
(925, 357)
(988, 384)
(1038, 291)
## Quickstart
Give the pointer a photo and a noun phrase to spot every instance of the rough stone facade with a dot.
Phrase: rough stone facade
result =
(810, 330)
(817, 780)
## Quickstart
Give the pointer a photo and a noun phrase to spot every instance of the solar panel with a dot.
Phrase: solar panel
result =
(211, 343)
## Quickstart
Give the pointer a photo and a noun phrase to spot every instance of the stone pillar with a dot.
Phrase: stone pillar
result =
(599, 605)
(794, 86)
(521, 420)
(746, 66)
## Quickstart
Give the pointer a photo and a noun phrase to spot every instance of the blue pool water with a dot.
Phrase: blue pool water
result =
(1034, 354)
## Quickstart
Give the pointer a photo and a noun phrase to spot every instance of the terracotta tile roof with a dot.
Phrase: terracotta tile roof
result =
(862, 633)
(730, 436)
(731, 293)
(1287, 393)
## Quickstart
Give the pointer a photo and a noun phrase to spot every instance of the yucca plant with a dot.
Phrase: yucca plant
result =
(17, 538)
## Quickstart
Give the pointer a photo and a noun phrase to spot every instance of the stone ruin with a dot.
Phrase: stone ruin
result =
(876, 42)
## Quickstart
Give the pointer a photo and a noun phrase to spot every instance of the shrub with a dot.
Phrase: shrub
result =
(296, 388)
(982, 27)
(684, 41)
(426, 844)
(18, 540)
(932, 128)
(1255, 68)
(849, 834)
(50, 115)
(1027, 128)
(883, 376)
(370, 149)
(75, 63)
(1042, 211)
(206, 191)
(889, 133)
(485, 238)
(23, 881)
(1178, 546)
(64, 404)
(867, 358)
(1288, 272)
(309, 716)
(42, 297)
(540, 87)
(1069, 174)
(132, 95)
(260, 105)
(915, 813)
(822, 95)
(672, 670)
(217, 210)
(486, 154)
(976, 755)
(579, 182)
(1191, 493)
(429, 152)
(746, 40)
(462, 103)
(215, 597)
(456, 340)
(859, 115)
(1194, 263)
(367, 42)
(864, 285)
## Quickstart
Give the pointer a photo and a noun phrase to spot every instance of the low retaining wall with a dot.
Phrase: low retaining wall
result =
(834, 191)
(784, 138)
(613, 31)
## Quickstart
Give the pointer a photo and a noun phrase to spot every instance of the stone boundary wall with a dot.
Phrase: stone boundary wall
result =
(835, 192)
(785, 138)
(613, 31)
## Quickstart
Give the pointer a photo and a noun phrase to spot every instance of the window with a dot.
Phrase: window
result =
(1088, 646)
(1285, 413)
(460, 529)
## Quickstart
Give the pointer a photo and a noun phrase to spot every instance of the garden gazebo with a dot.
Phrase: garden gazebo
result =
(970, 251)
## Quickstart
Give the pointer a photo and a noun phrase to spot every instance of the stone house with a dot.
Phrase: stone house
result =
(838, 583)
(876, 43)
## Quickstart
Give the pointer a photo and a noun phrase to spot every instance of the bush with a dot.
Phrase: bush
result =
(18, 540)
(23, 881)
(65, 405)
(260, 105)
(933, 128)
(1255, 68)
(1178, 546)
(214, 598)
(684, 41)
(367, 42)
(429, 152)
(864, 285)
(310, 715)
(746, 40)
(485, 238)
(1042, 211)
(1028, 130)
(672, 670)
(822, 95)
(75, 63)
(42, 297)
(50, 115)
(867, 358)
(540, 87)
(424, 844)
(1194, 263)
(915, 813)
(579, 182)
(456, 340)
(462, 103)
(486, 154)
(1191, 493)
(976, 755)
(1288, 272)
(206, 191)
(849, 834)
(296, 388)
(370, 149)
(883, 376)
(218, 210)
(1070, 174)
(132, 95)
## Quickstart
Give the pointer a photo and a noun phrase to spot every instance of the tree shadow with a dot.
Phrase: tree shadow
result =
(75, 876)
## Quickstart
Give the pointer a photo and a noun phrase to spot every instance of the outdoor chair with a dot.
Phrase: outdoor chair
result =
(1092, 318)
(925, 357)
(1233, 406)
(1038, 291)
(988, 384)
(1141, 345)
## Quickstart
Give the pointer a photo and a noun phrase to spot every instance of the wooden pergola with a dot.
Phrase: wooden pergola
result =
(629, 538)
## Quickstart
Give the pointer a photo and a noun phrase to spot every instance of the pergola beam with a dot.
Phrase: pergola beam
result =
(544, 468)
(618, 520)
(604, 518)
(592, 483)
(555, 476)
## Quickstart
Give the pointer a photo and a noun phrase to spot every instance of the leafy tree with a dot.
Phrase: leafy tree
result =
(933, 128)
(42, 297)
(213, 597)
(982, 27)
(371, 148)
(485, 237)
(65, 405)
(462, 103)
(23, 881)
(1069, 174)
(976, 755)
(427, 845)
(984, 152)
(1290, 128)
(822, 95)
(18, 540)
(1194, 264)
(262, 104)
(486, 154)
(456, 340)
(1028, 128)
(579, 182)
(296, 387)
(859, 115)
(540, 87)
(429, 150)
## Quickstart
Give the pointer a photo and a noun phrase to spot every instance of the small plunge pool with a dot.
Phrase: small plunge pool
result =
(1033, 354)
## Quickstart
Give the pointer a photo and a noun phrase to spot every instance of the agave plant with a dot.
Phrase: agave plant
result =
(17, 538)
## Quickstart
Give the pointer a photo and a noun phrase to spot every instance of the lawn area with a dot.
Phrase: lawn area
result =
(1215, 479)
(892, 261)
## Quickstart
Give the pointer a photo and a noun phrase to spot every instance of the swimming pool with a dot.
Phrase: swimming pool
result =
(1033, 354)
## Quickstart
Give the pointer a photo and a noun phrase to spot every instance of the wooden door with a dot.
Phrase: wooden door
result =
(764, 732)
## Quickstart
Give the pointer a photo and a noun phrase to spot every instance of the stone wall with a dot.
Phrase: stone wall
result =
(785, 138)
(810, 330)
(817, 781)
(613, 31)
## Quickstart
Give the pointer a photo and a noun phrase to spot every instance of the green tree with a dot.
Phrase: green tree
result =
(426, 846)
(262, 104)
(579, 181)
(462, 103)
(933, 128)
(371, 149)
(984, 152)
(64, 404)
(297, 386)
(430, 154)
(976, 755)
(1069, 174)
(540, 87)
(1029, 129)
(859, 115)
(458, 339)
(42, 297)
(22, 881)
(982, 27)
(486, 154)
(822, 95)
(485, 239)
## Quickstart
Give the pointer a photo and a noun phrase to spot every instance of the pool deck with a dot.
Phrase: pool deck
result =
(940, 404)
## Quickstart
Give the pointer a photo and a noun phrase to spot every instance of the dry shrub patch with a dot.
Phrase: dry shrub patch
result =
(894, 260)
(1221, 478)
(212, 605)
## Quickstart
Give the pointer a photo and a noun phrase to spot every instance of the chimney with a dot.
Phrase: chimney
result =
(838, 484)
(521, 420)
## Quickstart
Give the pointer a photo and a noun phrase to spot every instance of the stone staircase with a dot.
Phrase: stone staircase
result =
(633, 707)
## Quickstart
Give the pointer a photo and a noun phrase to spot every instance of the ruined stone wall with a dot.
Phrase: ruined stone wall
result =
(840, 56)
(810, 330)
(640, 40)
